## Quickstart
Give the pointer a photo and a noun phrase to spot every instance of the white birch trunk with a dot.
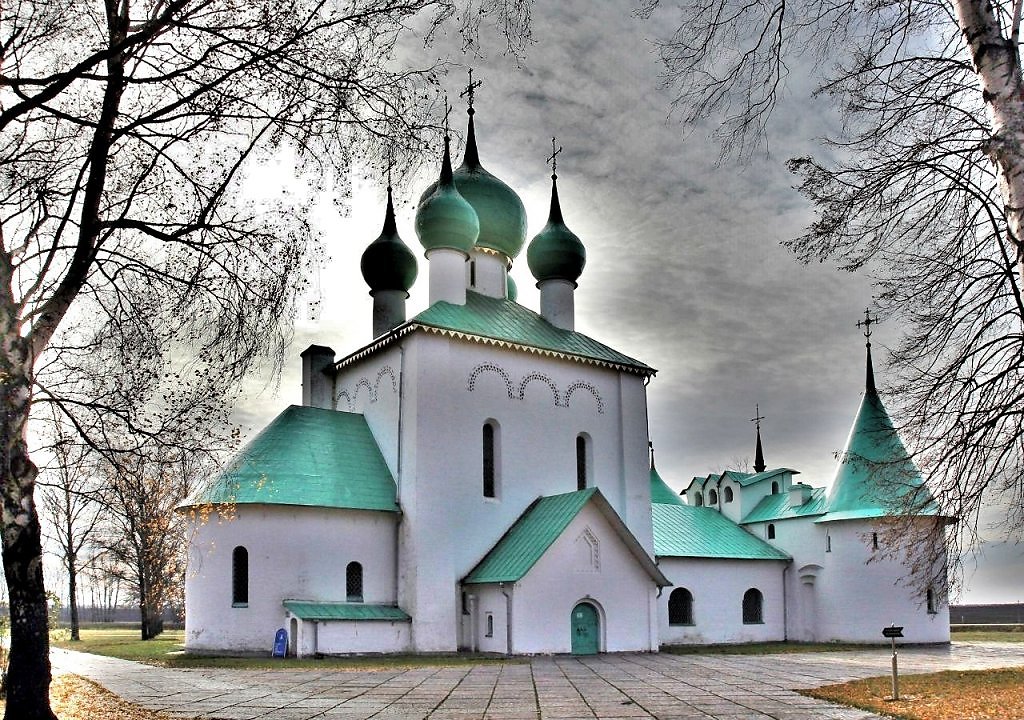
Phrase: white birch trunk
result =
(996, 59)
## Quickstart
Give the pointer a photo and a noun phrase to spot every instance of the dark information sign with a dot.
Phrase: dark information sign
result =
(892, 632)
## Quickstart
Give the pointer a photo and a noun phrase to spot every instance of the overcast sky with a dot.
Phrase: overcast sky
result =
(684, 265)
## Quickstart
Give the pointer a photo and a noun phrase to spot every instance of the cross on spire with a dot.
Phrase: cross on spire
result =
(553, 159)
(866, 323)
(469, 91)
(758, 417)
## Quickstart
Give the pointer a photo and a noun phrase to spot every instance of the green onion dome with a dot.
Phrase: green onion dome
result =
(511, 291)
(501, 212)
(556, 253)
(388, 263)
(444, 219)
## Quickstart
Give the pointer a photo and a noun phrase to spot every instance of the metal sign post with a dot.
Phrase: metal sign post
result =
(894, 632)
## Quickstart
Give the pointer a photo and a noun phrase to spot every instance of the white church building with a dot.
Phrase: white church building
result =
(478, 478)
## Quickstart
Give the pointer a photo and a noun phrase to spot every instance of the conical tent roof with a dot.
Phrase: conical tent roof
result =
(876, 476)
(661, 493)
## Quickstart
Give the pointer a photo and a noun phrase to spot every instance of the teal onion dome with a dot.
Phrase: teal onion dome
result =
(444, 219)
(511, 291)
(501, 212)
(556, 253)
(388, 263)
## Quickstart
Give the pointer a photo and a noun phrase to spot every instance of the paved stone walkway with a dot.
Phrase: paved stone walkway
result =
(683, 687)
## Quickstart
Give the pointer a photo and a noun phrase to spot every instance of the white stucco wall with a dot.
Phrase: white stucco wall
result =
(857, 598)
(295, 553)
(717, 586)
(589, 562)
(540, 405)
(364, 636)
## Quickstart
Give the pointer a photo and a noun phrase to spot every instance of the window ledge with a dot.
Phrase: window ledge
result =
(240, 605)
(753, 622)
(682, 624)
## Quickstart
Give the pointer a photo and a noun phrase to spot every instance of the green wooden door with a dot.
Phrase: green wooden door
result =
(585, 628)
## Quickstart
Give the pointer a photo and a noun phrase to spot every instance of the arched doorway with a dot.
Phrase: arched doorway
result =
(585, 629)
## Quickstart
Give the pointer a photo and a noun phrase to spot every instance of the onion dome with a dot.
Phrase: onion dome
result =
(444, 219)
(556, 253)
(388, 263)
(511, 291)
(499, 209)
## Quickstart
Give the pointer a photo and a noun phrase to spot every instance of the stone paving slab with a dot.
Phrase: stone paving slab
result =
(623, 686)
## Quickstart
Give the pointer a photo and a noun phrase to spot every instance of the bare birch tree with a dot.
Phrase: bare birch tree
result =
(126, 130)
(923, 186)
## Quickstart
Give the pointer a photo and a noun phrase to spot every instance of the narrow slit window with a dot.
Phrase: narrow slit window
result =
(828, 543)
(489, 630)
(581, 462)
(488, 458)
(240, 576)
(874, 541)
(771, 531)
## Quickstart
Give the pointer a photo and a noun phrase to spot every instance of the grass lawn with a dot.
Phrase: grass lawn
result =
(949, 695)
(167, 650)
(763, 648)
(989, 636)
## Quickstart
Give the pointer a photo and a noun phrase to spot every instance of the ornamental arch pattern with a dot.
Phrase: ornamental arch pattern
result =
(517, 391)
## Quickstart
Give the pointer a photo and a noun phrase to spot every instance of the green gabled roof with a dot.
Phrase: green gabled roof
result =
(686, 531)
(743, 479)
(504, 322)
(536, 530)
(312, 457)
(529, 537)
(345, 611)
(876, 476)
(777, 507)
(660, 491)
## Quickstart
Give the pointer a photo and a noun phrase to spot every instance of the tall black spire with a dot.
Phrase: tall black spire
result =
(471, 159)
(759, 465)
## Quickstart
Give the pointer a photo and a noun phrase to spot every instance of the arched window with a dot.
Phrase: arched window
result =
(712, 497)
(698, 499)
(728, 494)
(680, 607)
(931, 601)
(752, 611)
(490, 459)
(581, 462)
(771, 531)
(240, 576)
(775, 488)
(354, 582)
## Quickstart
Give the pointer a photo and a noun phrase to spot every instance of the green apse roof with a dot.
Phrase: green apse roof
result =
(344, 611)
(501, 322)
(312, 457)
(777, 507)
(876, 476)
(701, 532)
(661, 492)
(536, 530)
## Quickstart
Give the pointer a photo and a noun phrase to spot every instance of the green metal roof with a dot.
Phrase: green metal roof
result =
(743, 479)
(502, 322)
(777, 507)
(876, 476)
(529, 537)
(312, 457)
(539, 526)
(345, 611)
(661, 492)
(686, 531)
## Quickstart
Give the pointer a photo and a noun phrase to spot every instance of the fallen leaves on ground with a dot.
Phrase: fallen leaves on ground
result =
(75, 698)
(948, 695)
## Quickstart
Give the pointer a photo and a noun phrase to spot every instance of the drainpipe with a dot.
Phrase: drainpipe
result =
(401, 405)
(508, 618)
(785, 604)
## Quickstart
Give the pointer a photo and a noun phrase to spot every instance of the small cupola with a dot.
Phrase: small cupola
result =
(447, 227)
(389, 268)
(556, 257)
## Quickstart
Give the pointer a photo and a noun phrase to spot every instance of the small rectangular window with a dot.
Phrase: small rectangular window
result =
(490, 625)
(488, 458)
